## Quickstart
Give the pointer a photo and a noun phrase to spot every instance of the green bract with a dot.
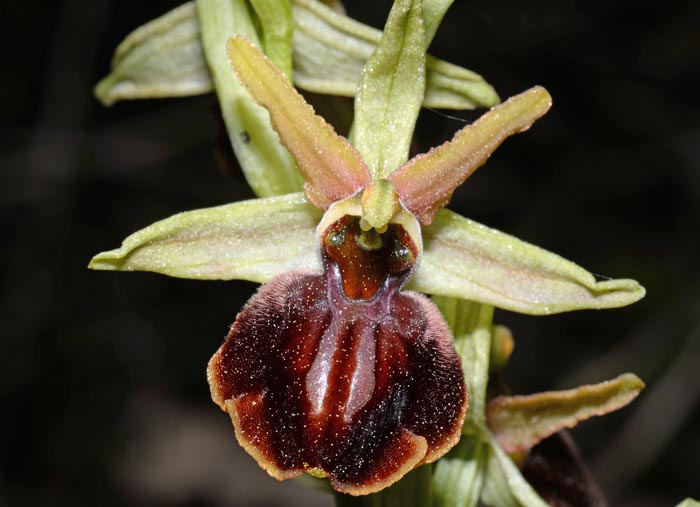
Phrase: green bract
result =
(164, 58)
(283, 146)
(267, 165)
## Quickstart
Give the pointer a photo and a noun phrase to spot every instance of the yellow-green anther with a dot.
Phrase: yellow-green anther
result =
(380, 202)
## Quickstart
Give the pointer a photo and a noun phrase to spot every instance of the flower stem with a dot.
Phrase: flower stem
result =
(411, 491)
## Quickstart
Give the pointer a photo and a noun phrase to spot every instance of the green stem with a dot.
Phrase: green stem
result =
(411, 491)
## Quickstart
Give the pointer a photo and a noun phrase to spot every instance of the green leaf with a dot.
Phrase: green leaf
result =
(425, 184)
(464, 259)
(330, 51)
(162, 58)
(504, 486)
(391, 91)
(689, 502)
(248, 240)
(332, 168)
(521, 422)
(267, 165)
(459, 475)
(470, 323)
(276, 20)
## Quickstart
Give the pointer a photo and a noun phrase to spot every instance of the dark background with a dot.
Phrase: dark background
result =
(102, 375)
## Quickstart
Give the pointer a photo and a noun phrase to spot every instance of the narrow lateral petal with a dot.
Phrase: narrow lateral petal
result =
(318, 373)
(331, 167)
(465, 259)
(425, 184)
(520, 422)
(248, 240)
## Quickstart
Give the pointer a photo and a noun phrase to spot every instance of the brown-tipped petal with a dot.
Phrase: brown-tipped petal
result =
(426, 182)
(364, 389)
(520, 422)
(331, 167)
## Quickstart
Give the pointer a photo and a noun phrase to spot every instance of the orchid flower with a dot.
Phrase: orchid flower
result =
(338, 366)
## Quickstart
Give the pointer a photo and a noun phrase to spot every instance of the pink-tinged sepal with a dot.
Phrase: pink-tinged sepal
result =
(343, 372)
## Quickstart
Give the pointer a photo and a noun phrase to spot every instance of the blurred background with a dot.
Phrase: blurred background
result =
(102, 375)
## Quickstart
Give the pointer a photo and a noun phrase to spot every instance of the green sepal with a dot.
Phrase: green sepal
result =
(464, 259)
(162, 58)
(252, 240)
(267, 165)
(330, 51)
(390, 92)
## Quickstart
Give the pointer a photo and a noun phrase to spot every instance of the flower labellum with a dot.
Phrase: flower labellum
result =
(343, 372)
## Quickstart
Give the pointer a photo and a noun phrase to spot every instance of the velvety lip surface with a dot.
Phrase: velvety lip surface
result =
(343, 372)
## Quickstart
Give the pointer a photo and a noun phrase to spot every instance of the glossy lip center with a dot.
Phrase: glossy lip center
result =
(367, 259)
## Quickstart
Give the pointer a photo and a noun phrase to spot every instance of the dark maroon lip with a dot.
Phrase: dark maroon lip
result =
(343, 372)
